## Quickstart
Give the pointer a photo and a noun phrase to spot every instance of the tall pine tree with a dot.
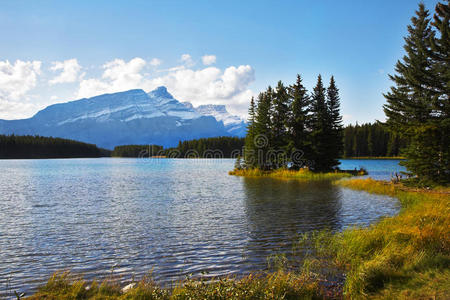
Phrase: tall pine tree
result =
(335, 147)
(249, 150)
(300, 120)
(440, 54)
(320, 128)
(413, 105)
(263, 125)
(280, 117)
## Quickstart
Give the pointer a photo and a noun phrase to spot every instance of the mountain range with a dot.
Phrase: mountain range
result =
(130, 117)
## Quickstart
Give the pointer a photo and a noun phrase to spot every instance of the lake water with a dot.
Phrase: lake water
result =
(173, 216)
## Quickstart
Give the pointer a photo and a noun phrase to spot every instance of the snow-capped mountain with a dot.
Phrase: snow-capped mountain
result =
(233, 124)
(131, 117)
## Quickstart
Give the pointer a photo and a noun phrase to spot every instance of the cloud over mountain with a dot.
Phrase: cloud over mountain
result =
(70, 70)
(200, 85)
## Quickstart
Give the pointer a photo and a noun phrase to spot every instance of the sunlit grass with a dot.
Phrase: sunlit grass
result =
(302, 174)
(402, 257)
(278, 285)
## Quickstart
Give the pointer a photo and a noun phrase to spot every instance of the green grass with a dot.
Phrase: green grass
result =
(302, 174)
(402, 257)
(278, 285)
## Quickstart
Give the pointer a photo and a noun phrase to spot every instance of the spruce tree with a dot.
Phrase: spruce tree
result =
(300, 120)
(415, 104)
(320, 128)
(336, 146)
(249, 150)
(279, 126)
(440, 54)
(440, 46)
(263, 135)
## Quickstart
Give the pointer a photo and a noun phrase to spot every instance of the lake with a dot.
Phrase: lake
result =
(173, 216)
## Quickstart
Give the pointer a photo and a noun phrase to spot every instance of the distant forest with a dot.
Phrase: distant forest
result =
(224, 144)
(359, 141)
(14, 146)
(371, 140)
(216, 147)
(137, 151)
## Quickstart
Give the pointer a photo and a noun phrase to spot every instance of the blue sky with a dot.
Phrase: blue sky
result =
(55, 51)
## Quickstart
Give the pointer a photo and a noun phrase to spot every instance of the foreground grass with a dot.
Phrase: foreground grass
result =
(302, 174)
(278, 285)
(402, 257)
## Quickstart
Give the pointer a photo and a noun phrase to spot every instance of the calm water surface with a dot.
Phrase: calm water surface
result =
(177, 217)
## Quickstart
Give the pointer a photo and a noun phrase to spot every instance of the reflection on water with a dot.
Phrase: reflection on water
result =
(277, 211)
(177, 217)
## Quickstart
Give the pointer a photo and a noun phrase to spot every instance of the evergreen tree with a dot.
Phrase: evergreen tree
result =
(348, 141)
(280, 115)
(335, 143)
(300, 119)
(249, 150)
(440, 45)
(320, 128)
(440, 54)
(415, 105)
(279, 126)
(263, 124)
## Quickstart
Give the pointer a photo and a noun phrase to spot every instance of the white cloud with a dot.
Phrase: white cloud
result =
(11, 110)
(69, 71)
(155, 62)
(187, 60)
(208, 59)
(93, 87)
(203, 85)
(18, 78)
(118, 75)
(209, 85)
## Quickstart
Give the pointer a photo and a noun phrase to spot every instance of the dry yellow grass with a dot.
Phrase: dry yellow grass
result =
(302, 174)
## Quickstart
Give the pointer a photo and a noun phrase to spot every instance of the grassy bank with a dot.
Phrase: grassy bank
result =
(402, 257)
(302, 174)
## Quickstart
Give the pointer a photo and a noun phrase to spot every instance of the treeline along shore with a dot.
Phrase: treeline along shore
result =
(23, 147)
(369, 140)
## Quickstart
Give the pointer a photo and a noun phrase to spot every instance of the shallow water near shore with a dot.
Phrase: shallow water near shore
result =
(173, 216)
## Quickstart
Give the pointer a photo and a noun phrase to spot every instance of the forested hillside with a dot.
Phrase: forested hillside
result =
(14, 146)
(216, 147)
(371, 140)
(211, 147)
(137, 151)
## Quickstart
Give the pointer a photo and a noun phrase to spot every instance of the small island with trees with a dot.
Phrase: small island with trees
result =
(294, 134)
